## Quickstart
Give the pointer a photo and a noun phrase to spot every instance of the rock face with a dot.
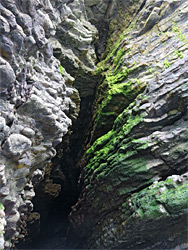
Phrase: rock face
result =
(134, 180)
(38, 101)
(134, 191)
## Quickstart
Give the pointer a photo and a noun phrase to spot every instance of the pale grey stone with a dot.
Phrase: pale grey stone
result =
(2, 123)
(4, 25)
(7, 75)
(16, 145)
(28, 132)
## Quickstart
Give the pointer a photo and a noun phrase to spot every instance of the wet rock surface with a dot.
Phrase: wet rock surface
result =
(138, 147)
(110, 138)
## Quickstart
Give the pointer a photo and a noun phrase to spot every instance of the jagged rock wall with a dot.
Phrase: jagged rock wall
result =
(134, 180)
(134, 193)
(38, 101)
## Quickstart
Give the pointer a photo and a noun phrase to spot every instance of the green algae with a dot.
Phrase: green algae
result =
(131, 123)
(178, 53)
(179, 34)
(127, 119)
(163, 199)
(61, 70)
(167, 64)
(116, 153)
(117, 95)
(1, 206)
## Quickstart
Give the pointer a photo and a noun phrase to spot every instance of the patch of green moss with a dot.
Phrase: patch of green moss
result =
(1, 206)
(117, 59)
(167, 64)
(61, 70)
(115, 151)
(159, 200)
(178, 53)
(131, 122)
(100, 142)
(117, 95)
(179, 34)
(150, 70)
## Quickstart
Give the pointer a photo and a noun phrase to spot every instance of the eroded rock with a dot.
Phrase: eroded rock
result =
(138, 146)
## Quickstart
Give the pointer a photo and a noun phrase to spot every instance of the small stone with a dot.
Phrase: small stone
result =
(7, 75)
(4, 191)
(9, 202)
(39, 34)
(14, 218)
(4, 25)
(29, 194)
(37, 176)
(16, 145)
(2, 123)
(6, 130)
(28, 132)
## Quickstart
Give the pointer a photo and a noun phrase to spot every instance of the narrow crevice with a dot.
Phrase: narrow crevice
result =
(54, 225)
(103, 29)
(141, 7)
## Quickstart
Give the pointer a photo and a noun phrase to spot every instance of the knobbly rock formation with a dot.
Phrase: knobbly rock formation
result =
(134, 173)
(38, 101)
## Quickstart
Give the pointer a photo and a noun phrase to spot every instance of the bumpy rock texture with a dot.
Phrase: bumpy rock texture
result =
(38, 101)
(134, 178)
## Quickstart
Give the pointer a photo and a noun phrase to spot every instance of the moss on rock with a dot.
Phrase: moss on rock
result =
(166, 198)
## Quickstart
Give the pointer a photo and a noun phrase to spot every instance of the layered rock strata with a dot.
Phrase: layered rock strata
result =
(134, 193)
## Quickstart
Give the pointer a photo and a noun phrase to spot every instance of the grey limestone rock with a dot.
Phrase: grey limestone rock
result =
(35, 107)
(7, 75)
(16, 145)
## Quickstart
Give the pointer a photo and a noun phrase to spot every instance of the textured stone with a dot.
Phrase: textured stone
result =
(2, 123)
(140, 110)
(30, 127)
(7, 75)
(4, 26)
(145, 143)
(16, 145)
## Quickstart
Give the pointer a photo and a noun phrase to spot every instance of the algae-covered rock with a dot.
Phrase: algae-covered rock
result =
(134, 189)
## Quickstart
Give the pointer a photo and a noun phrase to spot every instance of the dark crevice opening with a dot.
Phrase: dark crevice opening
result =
(141, 7)
(55, 228)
